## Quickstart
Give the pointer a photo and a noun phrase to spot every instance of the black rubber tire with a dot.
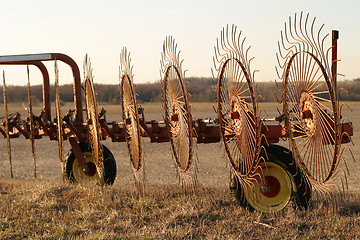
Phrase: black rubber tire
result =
(301, 192)
(301, 187)
(238, 193)
(109, 163)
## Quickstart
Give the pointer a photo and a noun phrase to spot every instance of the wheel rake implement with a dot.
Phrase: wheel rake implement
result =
(264, 176)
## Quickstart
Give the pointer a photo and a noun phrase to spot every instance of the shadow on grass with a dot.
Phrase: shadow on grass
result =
(351, 206)
(349, 209)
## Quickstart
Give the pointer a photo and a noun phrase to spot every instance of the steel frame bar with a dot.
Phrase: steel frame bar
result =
(36, 59)
(335, 37)
(147, 131)
(107, 130)
(46, 84)
(73, 128)
(45, 128)
(205, 133)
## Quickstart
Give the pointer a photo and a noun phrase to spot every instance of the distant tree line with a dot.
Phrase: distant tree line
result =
(200, 89)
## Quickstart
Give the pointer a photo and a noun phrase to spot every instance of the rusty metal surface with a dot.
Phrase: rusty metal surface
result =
(76, 84)
(130, 114)
(78, 154)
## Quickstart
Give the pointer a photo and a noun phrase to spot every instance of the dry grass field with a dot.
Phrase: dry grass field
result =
(47, 208)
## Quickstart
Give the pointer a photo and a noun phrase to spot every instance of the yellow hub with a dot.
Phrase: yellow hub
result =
(79, 174)
(277, 192)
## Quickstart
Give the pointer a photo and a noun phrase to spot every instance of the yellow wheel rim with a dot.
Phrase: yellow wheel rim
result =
(79, 174)
(276, 195)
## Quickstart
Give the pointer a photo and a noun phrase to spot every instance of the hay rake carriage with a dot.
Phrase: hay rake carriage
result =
(264, 176)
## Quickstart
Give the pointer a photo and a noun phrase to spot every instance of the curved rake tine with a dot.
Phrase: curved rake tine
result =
(7, 125)
(342, 89)
(31, 122)
(60, 139)
(344, 105)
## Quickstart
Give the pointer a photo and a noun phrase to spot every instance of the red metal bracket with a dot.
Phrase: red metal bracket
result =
(78, 154)
(235, 115)
(107, 130)
(147, 131)
(45, 128)
(307, 114)
(73, 128)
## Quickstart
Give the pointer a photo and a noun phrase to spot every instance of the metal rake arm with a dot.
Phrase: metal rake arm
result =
(36, 59)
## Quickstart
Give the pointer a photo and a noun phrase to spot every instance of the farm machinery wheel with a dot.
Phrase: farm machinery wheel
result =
(310, 105)
(93, 119)
(311, 116)
(74, 173)
(311, 108)
(285, 182)
(178, 117)
(240, 124)
(130, 113)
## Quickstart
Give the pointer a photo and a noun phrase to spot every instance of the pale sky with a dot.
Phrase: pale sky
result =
(103, 28)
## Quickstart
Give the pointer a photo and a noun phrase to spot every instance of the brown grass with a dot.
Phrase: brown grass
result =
(60, 211)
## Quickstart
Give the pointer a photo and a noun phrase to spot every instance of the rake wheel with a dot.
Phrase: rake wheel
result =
(238, 123)
(310, 116)
(237, 106)
(311, 107)
(93, 120)
(130, 112)
(178, 117)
